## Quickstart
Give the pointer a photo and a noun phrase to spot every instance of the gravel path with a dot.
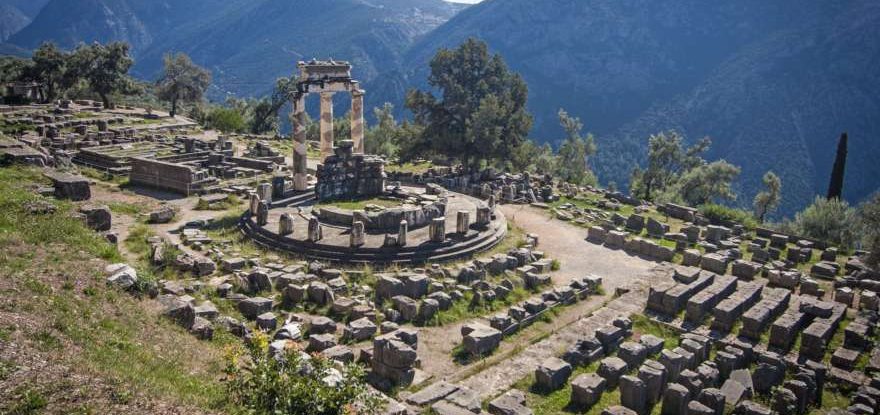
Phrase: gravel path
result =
(567, 243)
(558, 240)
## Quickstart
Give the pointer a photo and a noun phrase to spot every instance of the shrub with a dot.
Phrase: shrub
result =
(720, 213)
(292, 384)
(831, 220)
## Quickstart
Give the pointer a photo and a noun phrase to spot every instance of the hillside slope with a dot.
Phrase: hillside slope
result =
(246, 43)
(633, 68)
(11, 21)
(69, 343)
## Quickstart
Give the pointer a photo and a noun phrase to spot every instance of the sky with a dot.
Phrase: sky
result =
(465, 1)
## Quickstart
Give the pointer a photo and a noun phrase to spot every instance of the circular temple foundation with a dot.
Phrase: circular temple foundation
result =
(439, 232)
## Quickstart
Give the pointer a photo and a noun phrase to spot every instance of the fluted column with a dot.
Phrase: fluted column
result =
(326, 124)
(300, 159)
(357, 120)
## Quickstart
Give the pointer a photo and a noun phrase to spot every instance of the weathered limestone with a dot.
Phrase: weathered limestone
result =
(437, 231)
(326, 124)
(586, 390)
(264, 190)
(357, 234)
(402, 233)
(394, 355)
(484, 216)
(285, 224)
(314, 233)
(512, 402)
(300, 158)
(68, 186)
(262, 216)
(552, 374)
(98, 217)
(357, 120)
(462, 222)
(634, 394)
(675, 400)
(479, 339)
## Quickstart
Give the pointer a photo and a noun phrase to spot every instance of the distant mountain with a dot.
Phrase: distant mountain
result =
(11, 21)
(29, 8)
(774, 83)
(263, 40)
(246, 43)
(138, 22)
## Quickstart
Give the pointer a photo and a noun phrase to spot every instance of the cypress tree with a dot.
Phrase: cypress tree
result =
(835, 188)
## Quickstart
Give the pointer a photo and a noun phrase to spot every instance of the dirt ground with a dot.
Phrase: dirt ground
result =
(577, 257)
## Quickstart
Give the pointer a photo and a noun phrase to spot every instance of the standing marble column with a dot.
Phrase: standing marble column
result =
(326, 124)
(285, 224)
(300, 159)
(463, 221)
(437, 230)
(357, 120)
(401, 233)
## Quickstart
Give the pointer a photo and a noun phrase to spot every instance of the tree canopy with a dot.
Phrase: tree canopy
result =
(104, 67)
(182, 80)
(680, 174)
(573, 161)
(768, 200)
(481, 114)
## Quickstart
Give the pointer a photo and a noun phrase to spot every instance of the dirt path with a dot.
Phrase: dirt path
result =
(558, 240)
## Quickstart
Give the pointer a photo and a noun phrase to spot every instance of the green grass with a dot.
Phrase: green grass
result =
(831, 399)
(28, 401)
(88, 326)
(836, 341)
(419, 167)
(557, 402)
(358, 204)
(232, 201)
(119, 180)
(462, 309)
(125, 208)
(643, 325)
(41, 230)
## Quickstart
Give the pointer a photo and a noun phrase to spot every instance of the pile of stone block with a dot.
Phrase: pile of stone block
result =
(671, 296)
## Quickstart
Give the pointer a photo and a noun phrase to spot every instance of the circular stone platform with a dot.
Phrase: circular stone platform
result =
(335, 244)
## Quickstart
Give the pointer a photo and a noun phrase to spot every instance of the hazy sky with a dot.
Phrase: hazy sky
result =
(465, 1)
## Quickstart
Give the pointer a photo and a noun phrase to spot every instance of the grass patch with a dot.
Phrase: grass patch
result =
(558, 401)
(360, 204)
(28, 401)
(41, 230)
(643, 325)
(92, 173)
(230, 202)
(418, 167)
(462, 309)
(125, 208)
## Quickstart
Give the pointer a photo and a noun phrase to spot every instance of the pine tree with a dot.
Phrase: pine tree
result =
(835, 188)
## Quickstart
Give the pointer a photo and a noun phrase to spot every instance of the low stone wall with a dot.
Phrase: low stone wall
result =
(173, 177)
(387, 220)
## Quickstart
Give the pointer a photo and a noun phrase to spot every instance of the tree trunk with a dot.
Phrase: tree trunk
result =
(106, 100)
(173, 107)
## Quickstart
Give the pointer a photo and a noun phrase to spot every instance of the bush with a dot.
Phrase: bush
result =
(293, 384)
(719, 213)
(227, 120)
(831, 220)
